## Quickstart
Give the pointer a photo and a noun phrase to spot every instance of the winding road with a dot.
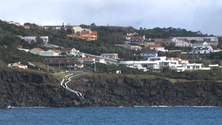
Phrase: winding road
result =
(67, 79)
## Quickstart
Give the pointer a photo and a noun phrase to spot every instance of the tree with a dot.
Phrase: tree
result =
(63, 53)
(39, 41)
(193, 41)
(69, 31)
(92, 25)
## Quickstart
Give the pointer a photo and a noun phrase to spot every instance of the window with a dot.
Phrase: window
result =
(59, 60)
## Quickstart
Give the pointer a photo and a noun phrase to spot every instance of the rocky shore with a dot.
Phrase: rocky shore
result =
(24, 89)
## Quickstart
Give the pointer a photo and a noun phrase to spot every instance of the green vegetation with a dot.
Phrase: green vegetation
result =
(108, 37)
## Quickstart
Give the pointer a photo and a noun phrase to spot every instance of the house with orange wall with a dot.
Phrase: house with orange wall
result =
(89, 35)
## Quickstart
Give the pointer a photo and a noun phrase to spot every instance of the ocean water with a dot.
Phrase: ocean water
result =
(112, 116)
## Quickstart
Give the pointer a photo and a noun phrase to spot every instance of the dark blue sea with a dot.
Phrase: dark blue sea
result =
(112, 116)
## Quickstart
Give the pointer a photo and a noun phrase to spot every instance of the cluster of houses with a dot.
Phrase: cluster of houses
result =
(83, 33)
(66, 57)
(52, 52)
(155, 63)
(200, 45)
(77, 31)
(55, 57)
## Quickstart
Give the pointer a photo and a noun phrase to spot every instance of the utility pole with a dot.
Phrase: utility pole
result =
(95, 67)
(48, 68)
(59, 64)
(69, 67)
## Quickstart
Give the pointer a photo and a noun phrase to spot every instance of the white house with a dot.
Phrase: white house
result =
(70, 51)
(89, 60)
(51, 52)
(20, 47)
(78, 29)
(33, 38)
(157, 48)
(183, 43)
(148, 54)
(157, 63)
(110, 55)
(100, 60)
(210, 40)
(37, 51)
(17, 65)
(205, 48)
(80, 66)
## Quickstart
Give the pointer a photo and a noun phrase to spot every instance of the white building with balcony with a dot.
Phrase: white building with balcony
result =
(29, 39)
(157, 63)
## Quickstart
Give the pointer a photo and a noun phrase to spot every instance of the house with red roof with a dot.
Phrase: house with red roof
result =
(79, 66)
(17, 65)
(156, 48)
(159, 41)
(37, 51)
(26, 26)
(139, 43)
(51, 52)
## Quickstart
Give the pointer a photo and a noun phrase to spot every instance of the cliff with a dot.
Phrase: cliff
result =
(25, 89)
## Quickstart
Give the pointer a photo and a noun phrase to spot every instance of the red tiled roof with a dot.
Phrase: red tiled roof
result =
(138, 42)
(154, 46)
(54, 50)
(159, 39)
(137, 38)
(40, 49)
(174, 58)
(185, 40)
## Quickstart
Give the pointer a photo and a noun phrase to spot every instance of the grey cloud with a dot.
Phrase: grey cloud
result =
(195, 15)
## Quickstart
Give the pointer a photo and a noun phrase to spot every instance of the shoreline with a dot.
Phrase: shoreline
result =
(136, 106)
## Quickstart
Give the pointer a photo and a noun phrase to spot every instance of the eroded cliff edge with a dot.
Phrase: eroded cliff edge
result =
(25, 89)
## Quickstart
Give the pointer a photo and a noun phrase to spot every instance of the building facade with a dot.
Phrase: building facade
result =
(110, 55)
(89, 35)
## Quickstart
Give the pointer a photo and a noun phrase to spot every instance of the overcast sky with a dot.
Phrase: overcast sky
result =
(194, 15)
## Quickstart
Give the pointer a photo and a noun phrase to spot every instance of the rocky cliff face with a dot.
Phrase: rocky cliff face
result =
(32, 89)
(25, 89)
(126, 91)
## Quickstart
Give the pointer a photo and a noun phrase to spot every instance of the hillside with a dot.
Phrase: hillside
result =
(108, 37)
